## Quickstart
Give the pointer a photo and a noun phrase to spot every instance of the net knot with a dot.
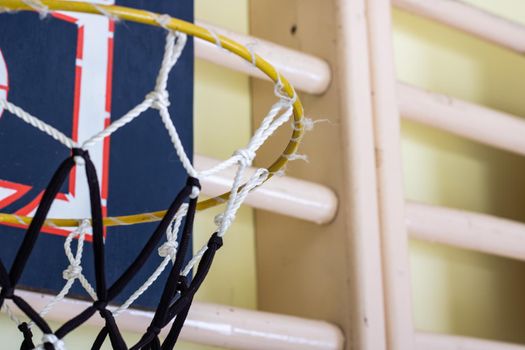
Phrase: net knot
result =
(160, 99)
(163, 20)
(106, 13)
(38, 6)
(246, 156)
(80, 152)
(195, 191)
(52, 339)
(153, 330)
(193, 181)
(79, 160)
(224, 219)
(79, 156)
(7, 293)
(100, 305)
(182, 284)
(279, 91)
(24, 328)
(106, 314)
(215, 241)
(251, 48)
(169, 249)
(27, 343)
(72, 272)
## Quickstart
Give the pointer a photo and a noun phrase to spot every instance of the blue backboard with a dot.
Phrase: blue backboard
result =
(79, 72)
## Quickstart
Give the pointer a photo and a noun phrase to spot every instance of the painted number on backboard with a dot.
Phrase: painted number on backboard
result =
(91, 114)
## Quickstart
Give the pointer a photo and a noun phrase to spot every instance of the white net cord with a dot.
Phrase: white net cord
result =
(280, 113)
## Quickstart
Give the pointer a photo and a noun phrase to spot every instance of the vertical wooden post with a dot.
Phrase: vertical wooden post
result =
(360, 190)
(400, 329)
(333, 271)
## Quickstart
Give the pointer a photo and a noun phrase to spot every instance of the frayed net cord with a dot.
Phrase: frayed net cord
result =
(279, 113)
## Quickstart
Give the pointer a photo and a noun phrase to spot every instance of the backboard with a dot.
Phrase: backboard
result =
(78, 72)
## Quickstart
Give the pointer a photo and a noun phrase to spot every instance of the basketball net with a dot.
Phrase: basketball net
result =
(175, 225)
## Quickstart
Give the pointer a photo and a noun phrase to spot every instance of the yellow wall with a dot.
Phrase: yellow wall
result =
(457, 291)
(223, 117)
(222, 124)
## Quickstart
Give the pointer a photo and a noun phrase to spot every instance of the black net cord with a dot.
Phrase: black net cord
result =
(152, 243)
(98, 240)
(9, 280)
(37, 222)
(101, 337)
(214, 244)
(165, 312)
(117, 341)
(181, 307)
(32, 314)
(98, 229)
(76, 321)
(176, 328)
(179, 310)
(111, 329)
(170, 288)
(27, 344)
(146, 252)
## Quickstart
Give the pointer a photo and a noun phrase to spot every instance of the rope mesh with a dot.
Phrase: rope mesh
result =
(178, 290)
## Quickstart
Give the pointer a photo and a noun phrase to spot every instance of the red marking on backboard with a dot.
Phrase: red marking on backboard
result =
(109, 87)
(109, 77)
(32, 206)
(20, 189)
(64, 17)
(80, 43)
(47, 229)
(26, 210)
(76, 110)
(105, 169)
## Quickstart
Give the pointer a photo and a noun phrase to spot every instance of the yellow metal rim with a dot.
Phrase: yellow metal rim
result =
(149, 18)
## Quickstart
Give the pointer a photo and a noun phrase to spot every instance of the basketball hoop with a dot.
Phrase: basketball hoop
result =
(174, 24)
(179, 289)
